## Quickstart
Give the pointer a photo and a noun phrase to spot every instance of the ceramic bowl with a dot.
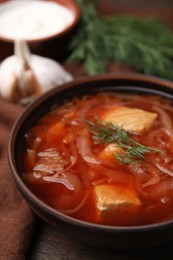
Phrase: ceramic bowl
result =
(92, 234)
(51, 44)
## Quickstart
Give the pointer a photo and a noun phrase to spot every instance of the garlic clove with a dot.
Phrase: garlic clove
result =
(27, 81)
(50, 74)
(16, 82)
(8, 80)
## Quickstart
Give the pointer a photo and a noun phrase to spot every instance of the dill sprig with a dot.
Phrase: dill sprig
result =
(145, 44)
(132, 151)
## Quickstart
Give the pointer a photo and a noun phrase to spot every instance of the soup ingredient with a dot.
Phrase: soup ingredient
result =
(108, 153)
(125, 42)
(130, 119)
(133, 152)
(32, 20)
(24, 76)
(98, 172)
(51, 161)
(115, 203)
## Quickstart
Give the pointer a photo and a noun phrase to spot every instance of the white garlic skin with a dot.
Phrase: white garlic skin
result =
(49, 73)
(7, 77)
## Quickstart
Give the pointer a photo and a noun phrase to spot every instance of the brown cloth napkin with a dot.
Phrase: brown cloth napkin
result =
(16, 219)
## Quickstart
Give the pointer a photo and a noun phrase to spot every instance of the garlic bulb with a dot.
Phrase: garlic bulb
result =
(25, 76)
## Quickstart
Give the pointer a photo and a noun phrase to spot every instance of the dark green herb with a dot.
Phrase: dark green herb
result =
(133, 152)
(143, 44)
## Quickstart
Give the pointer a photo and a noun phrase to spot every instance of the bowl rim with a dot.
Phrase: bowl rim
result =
(76, 13)
(28, 194)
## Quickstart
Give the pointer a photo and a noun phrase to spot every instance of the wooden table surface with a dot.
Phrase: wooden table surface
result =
(48, 243)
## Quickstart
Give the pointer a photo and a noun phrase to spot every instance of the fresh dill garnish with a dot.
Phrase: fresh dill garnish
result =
(144, 44)
(106, 133)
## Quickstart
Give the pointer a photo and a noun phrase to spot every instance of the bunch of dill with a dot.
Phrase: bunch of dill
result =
(145, 44)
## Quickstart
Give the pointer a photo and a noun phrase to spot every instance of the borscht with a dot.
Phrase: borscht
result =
(105, 158)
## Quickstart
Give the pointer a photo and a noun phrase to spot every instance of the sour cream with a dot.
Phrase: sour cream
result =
(33, 19)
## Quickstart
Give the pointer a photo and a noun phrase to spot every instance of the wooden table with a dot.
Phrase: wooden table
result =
(47, 243)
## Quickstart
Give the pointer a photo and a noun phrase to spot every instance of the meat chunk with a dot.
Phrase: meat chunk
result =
(116, 204)
(108, 152)
(130, 119)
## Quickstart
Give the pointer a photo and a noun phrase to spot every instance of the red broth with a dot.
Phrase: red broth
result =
(66, 169)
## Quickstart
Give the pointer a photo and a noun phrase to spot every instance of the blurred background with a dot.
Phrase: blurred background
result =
(143, 3)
